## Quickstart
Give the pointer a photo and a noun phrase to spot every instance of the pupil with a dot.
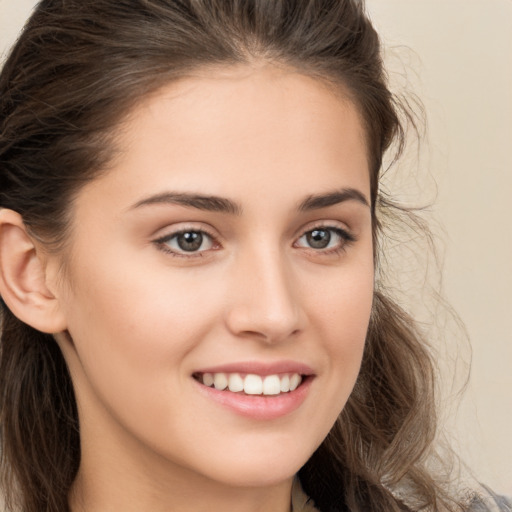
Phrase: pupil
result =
(190, 241)
(319, 238)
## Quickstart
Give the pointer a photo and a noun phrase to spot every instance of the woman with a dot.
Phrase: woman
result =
(189, 236)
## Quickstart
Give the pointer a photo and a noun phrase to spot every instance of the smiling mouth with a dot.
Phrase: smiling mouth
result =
(251, 384)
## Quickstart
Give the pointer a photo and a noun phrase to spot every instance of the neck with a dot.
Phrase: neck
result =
(183, 495)
(129, 478)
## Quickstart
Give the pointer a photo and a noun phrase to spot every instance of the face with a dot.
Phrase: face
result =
(230, 242)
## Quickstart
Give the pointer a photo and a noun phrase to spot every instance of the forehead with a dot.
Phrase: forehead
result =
(245, 126)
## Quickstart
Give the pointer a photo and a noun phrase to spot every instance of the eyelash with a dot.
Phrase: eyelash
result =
(162, 243)
(346, 240)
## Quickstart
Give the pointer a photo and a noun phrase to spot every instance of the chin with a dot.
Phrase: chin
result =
(260, 470)
(261, 477)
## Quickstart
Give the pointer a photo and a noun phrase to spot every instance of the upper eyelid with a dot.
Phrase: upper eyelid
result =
(324, 224)
(169, 232)
(174, 234)
(162, 243)
(345, 234)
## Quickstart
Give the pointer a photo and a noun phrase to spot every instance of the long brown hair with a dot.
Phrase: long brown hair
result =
(76, 70)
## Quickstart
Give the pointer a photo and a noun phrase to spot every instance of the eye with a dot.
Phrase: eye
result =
(189, 241)
(323, 238)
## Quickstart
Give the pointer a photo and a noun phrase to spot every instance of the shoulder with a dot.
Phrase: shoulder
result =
(485, 500)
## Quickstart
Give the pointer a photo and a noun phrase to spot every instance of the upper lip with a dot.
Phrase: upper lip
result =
(260, 368)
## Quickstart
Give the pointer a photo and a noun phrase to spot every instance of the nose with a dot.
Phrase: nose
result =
(264, 299)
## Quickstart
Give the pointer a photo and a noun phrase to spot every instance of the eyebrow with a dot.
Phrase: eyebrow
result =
(316, 202)
(224, 205)
(198, 201)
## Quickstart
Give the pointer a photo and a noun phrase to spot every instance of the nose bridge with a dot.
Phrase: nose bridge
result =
(265, 303)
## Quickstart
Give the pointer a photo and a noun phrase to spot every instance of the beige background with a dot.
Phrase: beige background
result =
(463, 69)
(459, 59)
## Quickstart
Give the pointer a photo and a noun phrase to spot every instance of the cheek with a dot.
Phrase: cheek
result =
(342, 314)
(132, 329)
(339, 314)
(344, 303)
(127, 302)
(131, 341)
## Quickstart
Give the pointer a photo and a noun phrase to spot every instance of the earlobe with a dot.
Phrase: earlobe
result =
(23, 284)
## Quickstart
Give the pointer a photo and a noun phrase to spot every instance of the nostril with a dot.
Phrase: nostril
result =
(251, 323)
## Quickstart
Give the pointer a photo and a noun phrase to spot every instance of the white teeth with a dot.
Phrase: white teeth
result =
(295, 380)
(271, 385)
(208, 379)
(220, 381)
(285, 384)
(235, 383)
(253, 384)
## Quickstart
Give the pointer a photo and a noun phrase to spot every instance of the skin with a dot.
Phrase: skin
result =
(139, 320)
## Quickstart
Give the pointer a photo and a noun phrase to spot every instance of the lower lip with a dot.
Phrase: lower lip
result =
(260, 407)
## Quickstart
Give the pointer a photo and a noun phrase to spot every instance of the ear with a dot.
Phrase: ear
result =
(23, 285)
